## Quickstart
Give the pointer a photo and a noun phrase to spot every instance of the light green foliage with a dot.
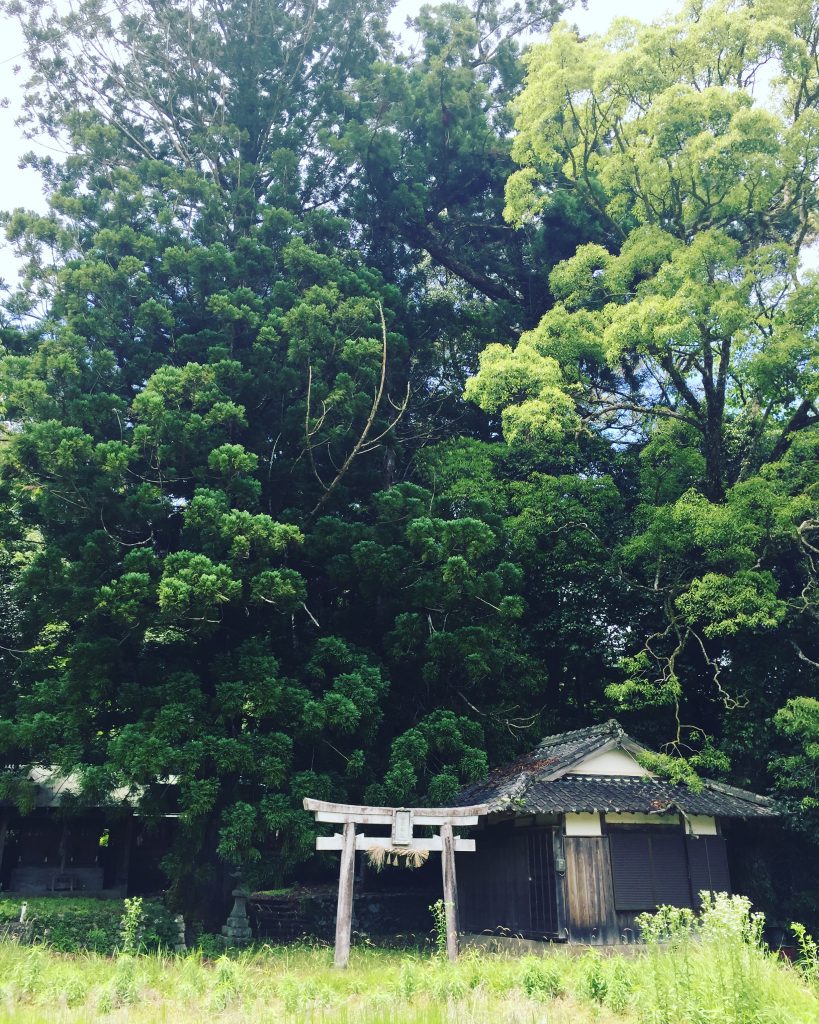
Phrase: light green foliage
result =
(701, 126)
(675, 769)
(697, 291)
(729, 604)
(527, 389)
(686, 336)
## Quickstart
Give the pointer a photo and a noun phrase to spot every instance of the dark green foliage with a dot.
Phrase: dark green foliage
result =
(224, 604)
(77, 924)
(797, 771)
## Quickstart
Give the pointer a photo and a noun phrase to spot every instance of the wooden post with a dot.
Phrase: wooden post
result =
(450, 890)
(4, 828)
(344, 914)
(123, 838)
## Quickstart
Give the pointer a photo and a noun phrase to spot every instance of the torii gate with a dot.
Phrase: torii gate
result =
(402, 820)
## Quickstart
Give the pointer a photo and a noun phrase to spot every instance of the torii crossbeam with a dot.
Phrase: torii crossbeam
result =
(402, 821)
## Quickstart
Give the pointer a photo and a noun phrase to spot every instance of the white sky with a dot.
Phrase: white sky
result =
(22, 187)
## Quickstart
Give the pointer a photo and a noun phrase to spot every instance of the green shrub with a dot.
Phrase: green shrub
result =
(715, 968)
(808, 960)
(84, 923)
(74, 990)
(126, 981)
(409, 980)
(619, 984)
(446, 982)
(227, 983)
(593, 981)
(541, 978)
(211, 945)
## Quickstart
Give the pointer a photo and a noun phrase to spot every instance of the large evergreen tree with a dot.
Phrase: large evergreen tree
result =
(211, 372)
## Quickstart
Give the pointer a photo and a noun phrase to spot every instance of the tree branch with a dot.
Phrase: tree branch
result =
(365, 433)
(800, 419)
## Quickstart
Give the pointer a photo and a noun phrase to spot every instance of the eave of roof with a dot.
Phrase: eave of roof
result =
(621, 793)
(539, 783)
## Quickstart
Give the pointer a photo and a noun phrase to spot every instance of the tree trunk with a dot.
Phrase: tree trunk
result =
(800, 419)
(714, 483)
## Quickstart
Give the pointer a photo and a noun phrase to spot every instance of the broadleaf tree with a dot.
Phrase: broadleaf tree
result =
(689, 337)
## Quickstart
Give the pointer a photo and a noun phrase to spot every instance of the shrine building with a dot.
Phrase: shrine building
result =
(577, 839)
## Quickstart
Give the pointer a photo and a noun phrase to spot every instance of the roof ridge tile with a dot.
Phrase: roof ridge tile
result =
(611, 726)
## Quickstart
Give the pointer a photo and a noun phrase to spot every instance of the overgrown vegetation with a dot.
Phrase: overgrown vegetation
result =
(366, 414)
(714, 970)
(84, 924)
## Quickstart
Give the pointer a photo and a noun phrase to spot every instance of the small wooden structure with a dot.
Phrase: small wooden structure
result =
(402, 821)
(62, 845)
(578, 838)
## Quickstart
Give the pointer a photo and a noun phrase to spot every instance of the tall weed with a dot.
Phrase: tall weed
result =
(808, 960)
(714, 967)
(541, 978)
(708, 970)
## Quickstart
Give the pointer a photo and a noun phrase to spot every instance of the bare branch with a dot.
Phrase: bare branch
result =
(361, 444)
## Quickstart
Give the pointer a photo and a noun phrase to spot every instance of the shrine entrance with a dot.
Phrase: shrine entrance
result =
(401, 841)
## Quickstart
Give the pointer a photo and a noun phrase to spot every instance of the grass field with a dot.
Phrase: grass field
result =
(715, 973)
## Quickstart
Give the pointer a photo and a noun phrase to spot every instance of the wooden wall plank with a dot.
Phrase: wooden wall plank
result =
(589, 892)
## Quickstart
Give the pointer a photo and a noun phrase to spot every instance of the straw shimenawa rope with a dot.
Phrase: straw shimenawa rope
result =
(378, 856)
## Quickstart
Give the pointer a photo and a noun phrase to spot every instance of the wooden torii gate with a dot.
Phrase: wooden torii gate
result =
(402, 821)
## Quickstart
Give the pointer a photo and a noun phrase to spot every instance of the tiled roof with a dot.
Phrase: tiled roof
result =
(640, 795)
(538, 784)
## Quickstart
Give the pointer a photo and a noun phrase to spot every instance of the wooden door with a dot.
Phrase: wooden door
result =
(508, 886)
(589, 894)
(543, 920)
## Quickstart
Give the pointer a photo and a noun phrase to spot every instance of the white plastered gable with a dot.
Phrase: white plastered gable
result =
(616, 761)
